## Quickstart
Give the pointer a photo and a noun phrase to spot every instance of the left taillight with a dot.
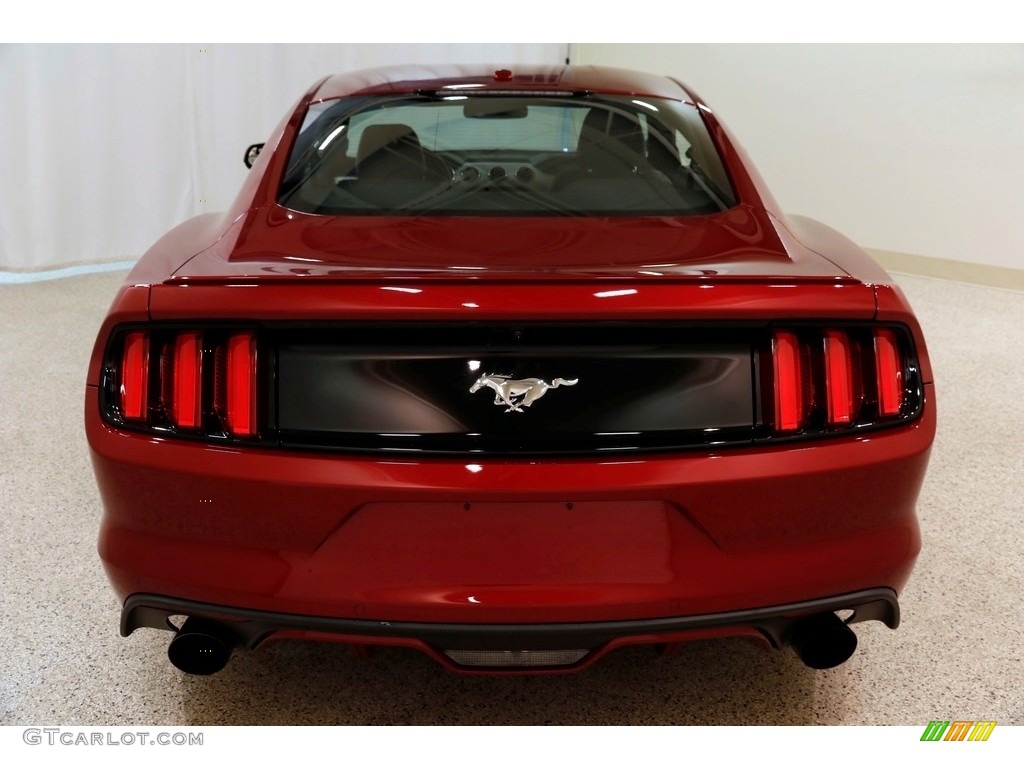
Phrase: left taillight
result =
(197, 382)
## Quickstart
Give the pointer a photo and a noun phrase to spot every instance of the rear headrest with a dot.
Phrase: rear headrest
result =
(394, 137)
(601, 126)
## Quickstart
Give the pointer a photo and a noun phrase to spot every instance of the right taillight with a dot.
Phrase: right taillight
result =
(828, 379)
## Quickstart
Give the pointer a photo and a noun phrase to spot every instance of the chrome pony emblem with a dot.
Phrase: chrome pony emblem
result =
(518, 393)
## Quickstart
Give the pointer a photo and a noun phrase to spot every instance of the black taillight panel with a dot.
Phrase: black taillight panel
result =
(347, 388)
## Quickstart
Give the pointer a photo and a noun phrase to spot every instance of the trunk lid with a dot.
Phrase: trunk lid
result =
(275, 244)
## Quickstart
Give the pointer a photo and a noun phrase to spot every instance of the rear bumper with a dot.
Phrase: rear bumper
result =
(774, 625)
(503, 542)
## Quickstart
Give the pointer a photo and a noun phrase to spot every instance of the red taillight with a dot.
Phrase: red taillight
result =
(840, 386)
(837, 378)
(187, 388)
(240, 408)
(134, 376)
(202, 382)
(889, 371)
(788, 381)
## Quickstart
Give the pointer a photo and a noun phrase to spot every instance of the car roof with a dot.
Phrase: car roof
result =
(410, 78)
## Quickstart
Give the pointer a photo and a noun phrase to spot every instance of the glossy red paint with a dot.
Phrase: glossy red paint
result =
(505, 540)
(275, 243)
(324, 535)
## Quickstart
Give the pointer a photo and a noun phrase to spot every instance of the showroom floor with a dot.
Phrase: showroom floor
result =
(958, 655)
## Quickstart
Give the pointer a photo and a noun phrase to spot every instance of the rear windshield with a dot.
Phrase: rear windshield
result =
(505, 154)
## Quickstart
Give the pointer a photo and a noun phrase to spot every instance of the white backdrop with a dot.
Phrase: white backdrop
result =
(911, 148)
(905, 147)
(103, 148)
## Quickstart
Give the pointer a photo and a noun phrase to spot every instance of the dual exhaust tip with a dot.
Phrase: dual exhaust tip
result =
(203, 647)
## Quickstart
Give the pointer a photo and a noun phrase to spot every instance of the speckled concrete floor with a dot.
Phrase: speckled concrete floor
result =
(958, 655)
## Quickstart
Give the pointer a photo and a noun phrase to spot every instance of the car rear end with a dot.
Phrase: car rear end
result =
(704, 464)
(513, 438)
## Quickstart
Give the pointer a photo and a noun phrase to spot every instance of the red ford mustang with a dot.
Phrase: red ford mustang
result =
(514, 368)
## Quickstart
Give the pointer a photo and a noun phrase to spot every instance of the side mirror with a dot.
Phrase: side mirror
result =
(251, 153)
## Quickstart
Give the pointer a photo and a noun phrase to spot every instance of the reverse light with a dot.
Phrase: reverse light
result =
(502, 659)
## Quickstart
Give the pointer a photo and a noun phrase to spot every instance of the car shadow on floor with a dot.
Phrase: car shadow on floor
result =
(724, 682)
